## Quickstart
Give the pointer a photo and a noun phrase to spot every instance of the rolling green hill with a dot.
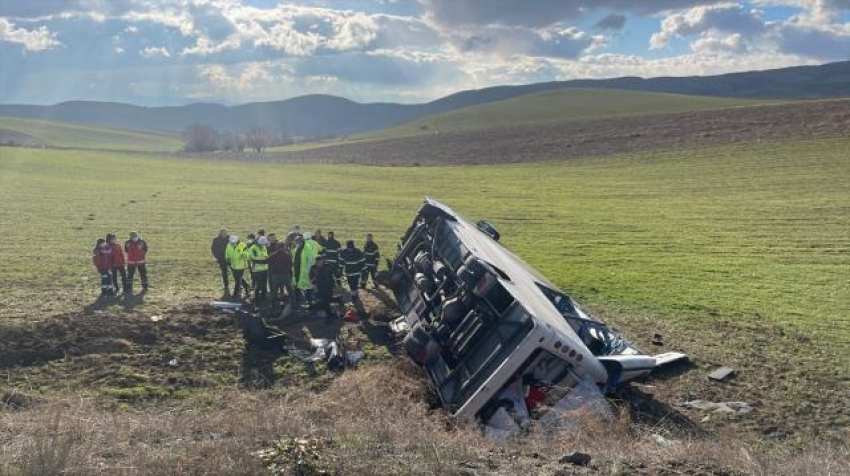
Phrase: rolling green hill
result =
(81, 136)
(559, 105)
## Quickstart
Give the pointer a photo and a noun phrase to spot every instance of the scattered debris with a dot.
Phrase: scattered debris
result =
(722, 374)
(173, 362)
(400, 326)
(295, 456)
(720, 407)
(576, 458)
(662, 441)
(157, 318)
(353, 357)
(350, 315)
(657, 339)
(226, 305)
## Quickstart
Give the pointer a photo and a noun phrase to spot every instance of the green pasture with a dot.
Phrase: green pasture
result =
(84, 136)
(755, 232)
(559, 105)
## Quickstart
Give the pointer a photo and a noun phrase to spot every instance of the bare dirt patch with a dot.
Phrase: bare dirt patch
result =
(19, 139)
(567, 140)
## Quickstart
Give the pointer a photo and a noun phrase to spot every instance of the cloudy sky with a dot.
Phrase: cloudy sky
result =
(170, 52)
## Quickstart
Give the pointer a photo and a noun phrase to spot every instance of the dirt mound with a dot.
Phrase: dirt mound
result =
(189, 346)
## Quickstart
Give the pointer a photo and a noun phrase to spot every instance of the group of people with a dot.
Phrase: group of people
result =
(110, 260)
(301, 267)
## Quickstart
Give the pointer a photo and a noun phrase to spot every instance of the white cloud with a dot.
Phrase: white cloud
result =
(732, 28)
(538, 13)
(708, 43)
(37, 39)
(255, 81)
(155, 51)
(724, 17)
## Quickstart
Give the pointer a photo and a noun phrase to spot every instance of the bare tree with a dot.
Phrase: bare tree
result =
(201, 138)
(258, 138)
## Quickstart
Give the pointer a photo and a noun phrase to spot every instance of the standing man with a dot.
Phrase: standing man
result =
(219, 249)
(118, 262)
(258, 256)
(237, 258)
(314, 246)
(280, 270)
(370, 250)
(352, 263)
(301, 263)
(332, 247)
(317, 236)
(324, 279)
(137, 251)
(102, 258)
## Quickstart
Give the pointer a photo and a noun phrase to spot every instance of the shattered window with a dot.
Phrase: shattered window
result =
(561, 301)
(449, 247)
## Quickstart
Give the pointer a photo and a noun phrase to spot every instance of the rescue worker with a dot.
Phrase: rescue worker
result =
(118, 262)
(258, 259)
(324, 279)
(137, 251)
(218, 249)
(352, 262)
(317, 236)
(249, 242)
(237, 257)
(313, 245)
(280, 270)
(301, 264)
(332, 247)
(102, 259)
(373, 254)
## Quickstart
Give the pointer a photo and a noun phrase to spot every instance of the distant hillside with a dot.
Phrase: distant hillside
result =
(559, 105)
(322, 115)
(59, 134)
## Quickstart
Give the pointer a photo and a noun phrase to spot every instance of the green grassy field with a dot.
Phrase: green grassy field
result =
(738, 255)
(756, 232)
(64, 134)
(558, 105)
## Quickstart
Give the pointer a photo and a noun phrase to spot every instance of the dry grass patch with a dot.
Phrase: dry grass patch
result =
(379, 420)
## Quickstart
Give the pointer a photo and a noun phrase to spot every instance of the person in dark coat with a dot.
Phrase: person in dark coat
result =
(218, 249)
(280, 270)
(324, 280)
(373, 254)
(332, 247)
(353, 261)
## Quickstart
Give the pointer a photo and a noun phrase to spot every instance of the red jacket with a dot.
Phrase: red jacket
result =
(102, 258)
(136, 251)
(117, 255)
